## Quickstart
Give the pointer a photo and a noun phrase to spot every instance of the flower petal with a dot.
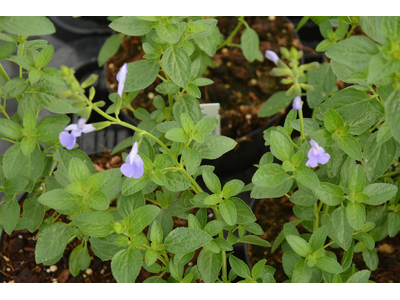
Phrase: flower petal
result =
(71, 127)
(323, 158)
(312, 162)
(81, 123)
(67, 140)
(128, 170)
(88, 128)
(297, 103)
(272, 56)
(121, 76)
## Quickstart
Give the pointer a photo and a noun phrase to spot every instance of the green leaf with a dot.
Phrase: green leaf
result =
(28, 144)
(10, 129)
(50, 127)
(393, 223)
(250, 44)
(348, 103)
(239, 267)
(324, 82)
(131, 26)
(107, 247)
(140, 218)
(318, 238)
(133, 185)
(372, 27)
(177, 65)
(185, 240)
(32, 215)
(79, 259)
(254, 240)
(15, 186)
(338, 228)
(193, 90)
(189, 105)
(379, 193)
(192, 160)
(97, 200)
(6, 49)
(392, 110)
(167, 88)
(176, 182)
(32, 26)
(351, 55)
(126, 265)
(209, 44)
(332, 120)
(52, 242)
(271, 192)
(109, 48)
(281, 147)
(356, 216)
(209, 265)
(168, 32)
(329, 265)
(378, 157)
(78, 171)
(274, 104)
(212, 182)
(228, 212)
(329, 193)
(96, 224)
(357, 179)
(371, 259)
(13, 161)
(177, 135)
(232, 188)
(14, 88)
(302, 198)
(350, 146)
(390, 28)
(382, 70)
(141, 74)
(302, 273)
(299, 245)
(214, 146)
(306, 177)
(10, 214)
(359, 277)
(45, 56)
(269, 175)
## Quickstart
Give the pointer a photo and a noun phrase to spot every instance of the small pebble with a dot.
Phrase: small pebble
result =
(111, 65)
(6, 258)
(253, 81)
(91, 258)
(53, 268)
(102, 271)
(89, 271)
(20, 250)
(271, 18)
(248, 116)
(225, 50)
(190, 264)
(84, 275)
(210, 215)
(20, 237)
(48, 271)
(8, 269)
(227, 86)
(54, 280)
(151, 95)
(228, 64)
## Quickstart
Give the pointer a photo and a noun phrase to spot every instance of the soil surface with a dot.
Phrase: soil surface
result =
(272, 214)
(17, 255)
(241, 87)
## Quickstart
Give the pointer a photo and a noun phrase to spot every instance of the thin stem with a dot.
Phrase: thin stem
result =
(390, 174)
(4, 73)
(234, 32)
(8, 140)
(301, 122)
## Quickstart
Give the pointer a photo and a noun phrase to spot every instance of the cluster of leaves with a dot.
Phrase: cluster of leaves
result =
(353, 199)
(126, 220)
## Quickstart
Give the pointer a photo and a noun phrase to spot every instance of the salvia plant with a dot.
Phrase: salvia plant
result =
(338, 168)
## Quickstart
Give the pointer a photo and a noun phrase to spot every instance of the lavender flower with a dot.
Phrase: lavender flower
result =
(316, 155)
(67, 139)
(272, 56)
(297, 103)
(133, 166)
(121, 76)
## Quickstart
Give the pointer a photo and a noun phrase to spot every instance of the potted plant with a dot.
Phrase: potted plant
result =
(232, 57)
(339, 171)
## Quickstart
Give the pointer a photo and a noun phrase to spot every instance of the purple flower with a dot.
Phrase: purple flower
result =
(133, 166)
(121, 76)
(316, 155)
(297, 103)
(67, 139)
(272, 56)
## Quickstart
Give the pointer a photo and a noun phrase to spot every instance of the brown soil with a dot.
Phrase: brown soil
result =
(272, 214)
(241, 87)
(17, 256)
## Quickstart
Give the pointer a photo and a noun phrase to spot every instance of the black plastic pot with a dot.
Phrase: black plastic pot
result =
(71, 28)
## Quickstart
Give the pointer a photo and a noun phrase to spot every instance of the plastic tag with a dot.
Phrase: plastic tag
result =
(211, 110)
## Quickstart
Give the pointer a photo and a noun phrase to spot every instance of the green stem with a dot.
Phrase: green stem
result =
(301, 122)
(8, 140)
(390, 174)
(4, 73)
(317, 209)
(234, 32)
